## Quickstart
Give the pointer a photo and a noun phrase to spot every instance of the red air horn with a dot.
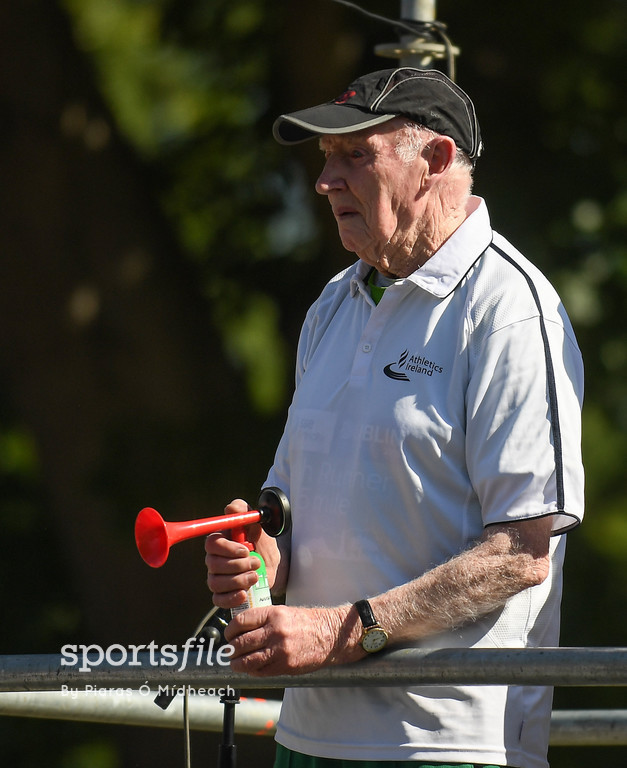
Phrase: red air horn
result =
(154, 536)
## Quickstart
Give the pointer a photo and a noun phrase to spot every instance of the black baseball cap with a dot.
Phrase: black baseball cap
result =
(425, 96)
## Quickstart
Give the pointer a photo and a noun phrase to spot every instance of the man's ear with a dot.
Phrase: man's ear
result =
(442, 152)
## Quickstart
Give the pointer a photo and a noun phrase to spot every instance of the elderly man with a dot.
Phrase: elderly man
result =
(431, 452)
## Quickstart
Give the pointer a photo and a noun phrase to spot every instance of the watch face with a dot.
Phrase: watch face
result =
(374, 640)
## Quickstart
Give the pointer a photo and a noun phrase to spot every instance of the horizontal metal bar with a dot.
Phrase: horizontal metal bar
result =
(589, 728)
(258, 717)
(410, 666)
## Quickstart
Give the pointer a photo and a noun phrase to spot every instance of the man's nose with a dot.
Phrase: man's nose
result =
(330, 179)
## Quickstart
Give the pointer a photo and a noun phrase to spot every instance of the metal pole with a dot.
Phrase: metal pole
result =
(416, 10)
(255, 717)
(589, 728)
(409, 666)
(419, 10)
(422, 48)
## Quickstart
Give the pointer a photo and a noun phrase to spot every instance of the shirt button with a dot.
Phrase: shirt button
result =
(367, 347)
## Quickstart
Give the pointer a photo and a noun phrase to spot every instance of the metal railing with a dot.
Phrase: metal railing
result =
(258, 717)
(118, 691)
(405, 666)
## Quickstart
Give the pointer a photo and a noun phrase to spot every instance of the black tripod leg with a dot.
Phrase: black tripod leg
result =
(227, 754)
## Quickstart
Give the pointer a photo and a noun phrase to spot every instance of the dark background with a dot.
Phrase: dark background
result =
(158, 252)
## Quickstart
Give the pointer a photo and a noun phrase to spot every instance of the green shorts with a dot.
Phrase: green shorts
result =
(286, 758)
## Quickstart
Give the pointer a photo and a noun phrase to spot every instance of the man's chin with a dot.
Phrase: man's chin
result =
(349, 247)
(351, 244)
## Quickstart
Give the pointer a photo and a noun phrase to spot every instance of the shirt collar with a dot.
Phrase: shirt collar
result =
(443, 272)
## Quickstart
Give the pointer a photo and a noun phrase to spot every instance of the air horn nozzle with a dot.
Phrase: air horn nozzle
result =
(154, 536)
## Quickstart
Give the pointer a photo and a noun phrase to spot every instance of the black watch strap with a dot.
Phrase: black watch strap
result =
(366, 615)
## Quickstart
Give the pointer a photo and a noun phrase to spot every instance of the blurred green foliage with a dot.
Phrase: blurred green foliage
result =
(189, 85)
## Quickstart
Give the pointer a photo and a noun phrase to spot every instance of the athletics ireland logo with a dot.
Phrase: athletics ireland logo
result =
(411, 364)
(398, 375)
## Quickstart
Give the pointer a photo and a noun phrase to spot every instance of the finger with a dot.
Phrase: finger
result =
(223, 584)
(250, 652)
(229, 599)
(236, 506)
(226, 566)
(219, 544)
(247, 644)
(246, 622)
(258, 664)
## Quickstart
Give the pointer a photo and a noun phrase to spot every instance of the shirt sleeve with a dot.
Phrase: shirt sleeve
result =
(524, 424)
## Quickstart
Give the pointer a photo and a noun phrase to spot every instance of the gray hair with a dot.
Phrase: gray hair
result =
(412, 137)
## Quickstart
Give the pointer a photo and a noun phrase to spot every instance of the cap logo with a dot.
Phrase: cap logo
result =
(345, 97)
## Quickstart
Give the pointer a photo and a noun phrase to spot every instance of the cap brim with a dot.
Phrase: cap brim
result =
(324, 119)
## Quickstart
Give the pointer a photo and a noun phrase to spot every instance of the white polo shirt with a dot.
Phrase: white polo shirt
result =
(453, 404)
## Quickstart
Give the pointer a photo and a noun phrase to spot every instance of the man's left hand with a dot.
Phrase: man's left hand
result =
(284, 640)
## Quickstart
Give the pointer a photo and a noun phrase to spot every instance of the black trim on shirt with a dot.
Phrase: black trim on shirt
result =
(551, 385)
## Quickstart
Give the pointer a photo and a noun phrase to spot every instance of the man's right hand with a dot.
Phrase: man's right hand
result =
(231, 570)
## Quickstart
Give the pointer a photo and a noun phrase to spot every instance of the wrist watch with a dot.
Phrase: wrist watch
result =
(374, 637)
